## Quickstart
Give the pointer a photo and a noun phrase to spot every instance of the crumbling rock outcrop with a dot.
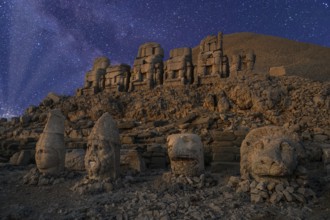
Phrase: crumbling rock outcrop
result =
(223, 104)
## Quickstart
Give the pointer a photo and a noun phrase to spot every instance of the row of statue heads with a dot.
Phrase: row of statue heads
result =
(183, 67)
(102, 157)
(102, 153)
(269, 153)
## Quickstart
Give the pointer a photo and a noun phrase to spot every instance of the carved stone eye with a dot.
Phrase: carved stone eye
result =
(260, 146)
(110, 148)
(285, 146)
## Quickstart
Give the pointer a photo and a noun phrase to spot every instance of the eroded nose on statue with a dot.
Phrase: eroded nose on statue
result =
(38, 154)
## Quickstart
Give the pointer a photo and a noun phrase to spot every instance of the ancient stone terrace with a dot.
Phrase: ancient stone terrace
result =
(149, 70)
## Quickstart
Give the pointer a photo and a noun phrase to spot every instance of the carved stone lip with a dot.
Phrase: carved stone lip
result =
(42, 167)
(275, 170)
(183, 158)
(92, 163)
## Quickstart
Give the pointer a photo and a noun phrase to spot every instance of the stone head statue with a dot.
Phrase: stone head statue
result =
(101, 63)
(94, 77)
(270, 152)
(186, 154)
(50, 148)
(103, 149)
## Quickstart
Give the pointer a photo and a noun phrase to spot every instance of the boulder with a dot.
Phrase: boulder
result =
(74, 159)
(241, 96)
(277, 71)
(21, 158)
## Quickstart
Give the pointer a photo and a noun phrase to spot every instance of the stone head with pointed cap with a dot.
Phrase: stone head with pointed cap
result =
(50, 148)
(103, 149)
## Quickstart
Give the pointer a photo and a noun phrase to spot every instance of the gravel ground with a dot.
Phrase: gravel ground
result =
(146, 196)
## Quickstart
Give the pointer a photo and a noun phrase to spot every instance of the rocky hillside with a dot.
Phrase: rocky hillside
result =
(221, 113)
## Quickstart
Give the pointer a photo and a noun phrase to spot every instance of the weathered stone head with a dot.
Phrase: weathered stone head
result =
(103, 149)
(186, 154)
(50, 148)
(95, 77)
(270, 152)
(101, 63)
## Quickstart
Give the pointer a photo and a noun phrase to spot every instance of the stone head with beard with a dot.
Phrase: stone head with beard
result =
(103, 149)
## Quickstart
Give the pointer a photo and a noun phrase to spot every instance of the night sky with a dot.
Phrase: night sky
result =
(49, 45)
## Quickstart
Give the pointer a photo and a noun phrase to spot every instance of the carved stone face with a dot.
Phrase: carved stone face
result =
(50, 148)
(47, 158)
(99, 159)
(103, 149)
(101, 63)
(270, 152)
(186, 154)
(273, 157)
